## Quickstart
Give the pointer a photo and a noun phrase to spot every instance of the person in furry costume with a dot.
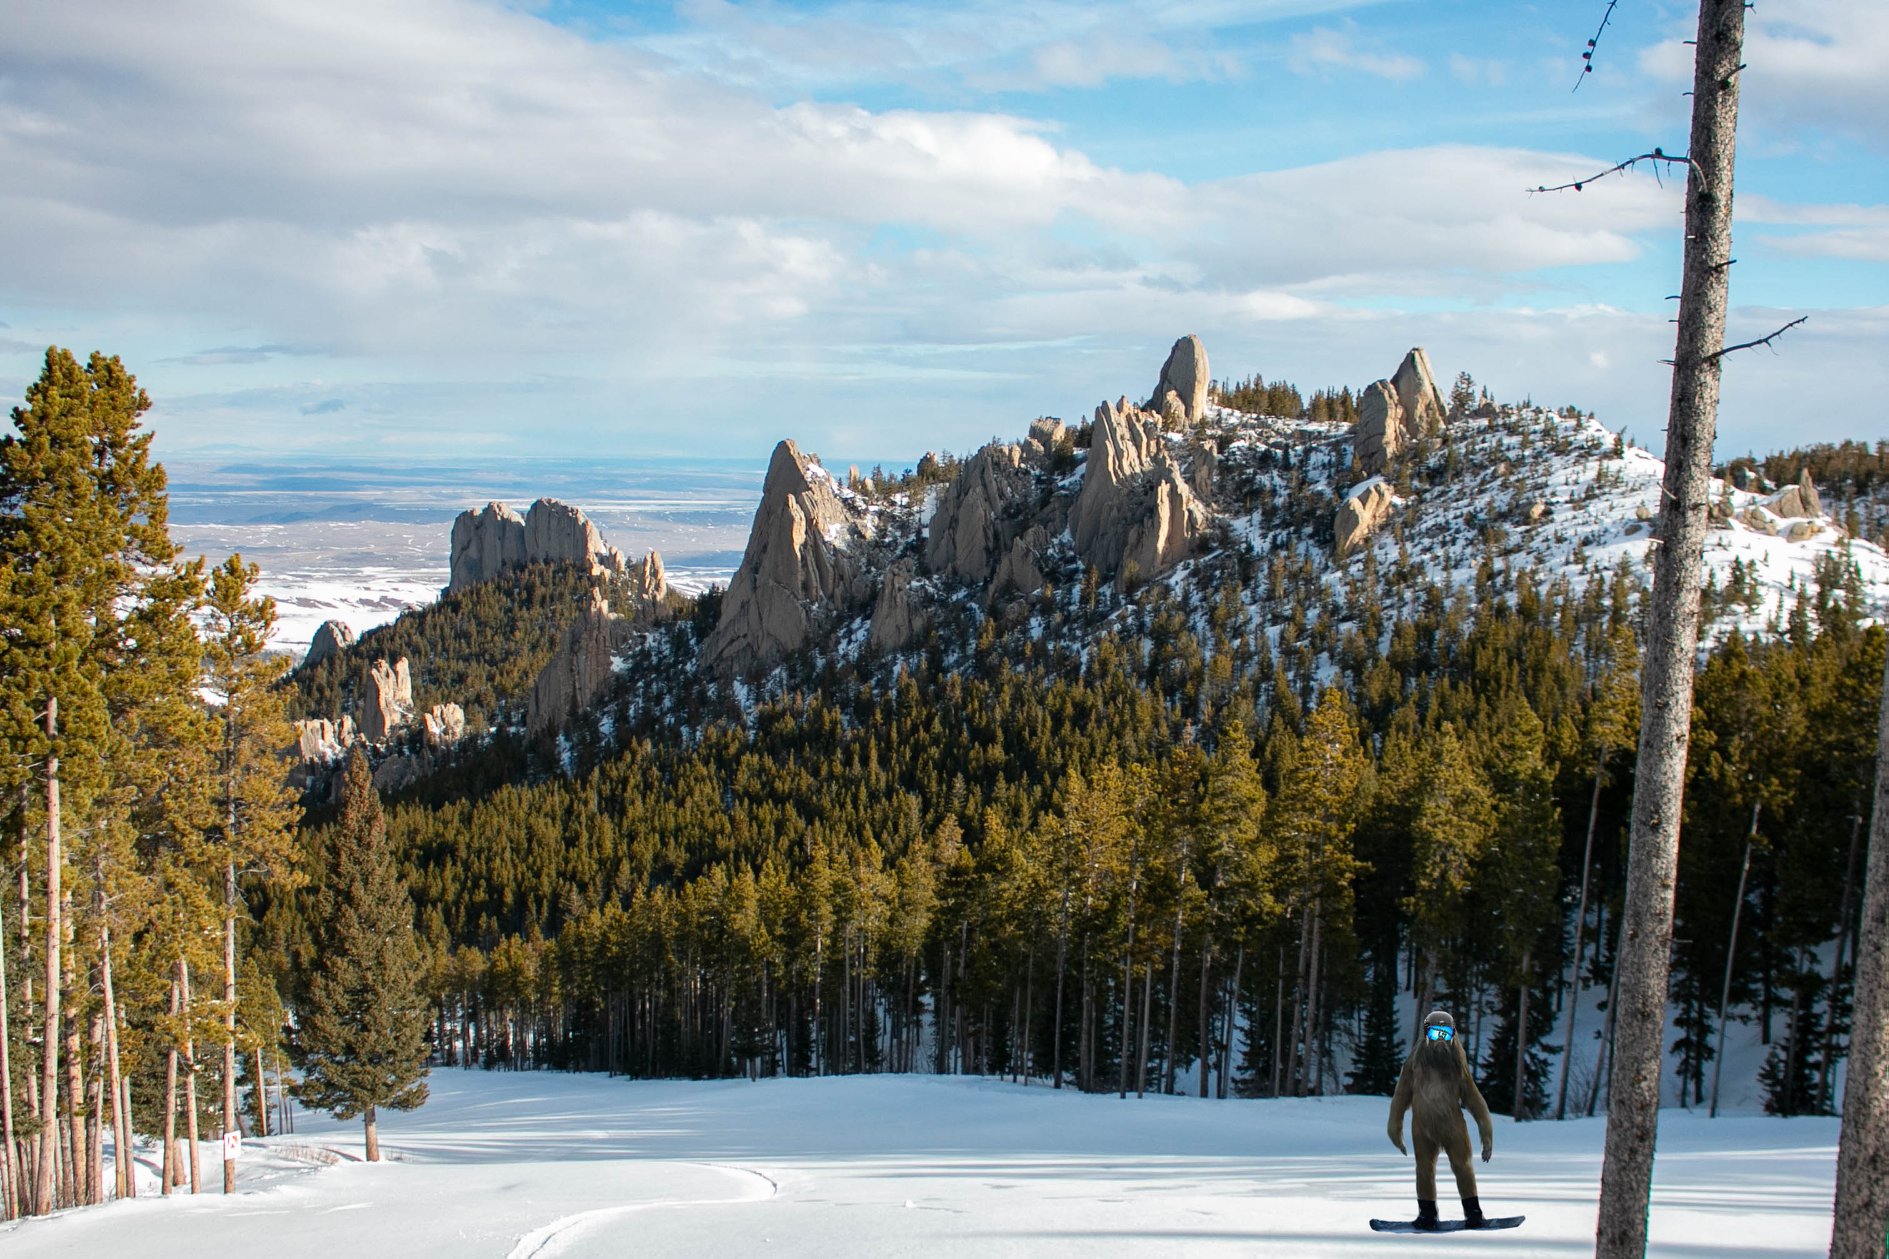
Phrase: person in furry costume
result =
(1435, 1087)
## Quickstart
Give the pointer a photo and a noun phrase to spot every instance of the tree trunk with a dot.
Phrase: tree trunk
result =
(1147, 1018)
(1836, 966)
(1174, 1002)
(1672, 639)
(1604, 1063)
(172, 1175)
(1862, 1196)
(1731, 954)
(9, 1186)
(1203, 1027)
(1580, 943)
(46, 1192)
(1233, 1020)
(190, 1082)
(368, 1118)
(229, 1012)
(1521, 1042)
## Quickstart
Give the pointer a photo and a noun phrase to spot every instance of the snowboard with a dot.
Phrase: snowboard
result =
(1447, 1226)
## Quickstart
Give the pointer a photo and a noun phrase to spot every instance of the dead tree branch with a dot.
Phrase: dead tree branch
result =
(1587, 58)
(1656, 157)
(1752, 345)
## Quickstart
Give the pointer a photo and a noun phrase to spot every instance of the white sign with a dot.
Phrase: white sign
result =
(232, 1146)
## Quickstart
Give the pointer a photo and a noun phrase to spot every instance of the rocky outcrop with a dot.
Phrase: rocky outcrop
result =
(485, 544)
(1136, 513)
(1425, 411)
(646, 588)
(899, 618)
(1378, 437)
(1046, 434)
(497, 539)
(1797, 502)
(329, 641)
(1366, 506)
(1184, 375)
(321, 740)
(1021, 572)
(976, 519)
(443, 725)
(386, 699)
(800, 560)
(580, 673)
(1396, 412)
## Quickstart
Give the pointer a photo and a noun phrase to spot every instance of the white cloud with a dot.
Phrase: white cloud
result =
(1815, 64)
(1330, 48)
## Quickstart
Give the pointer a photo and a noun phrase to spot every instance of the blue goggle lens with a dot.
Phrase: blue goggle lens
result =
(1441, 1033)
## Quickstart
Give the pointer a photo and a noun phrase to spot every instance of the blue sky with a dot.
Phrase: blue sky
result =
(458, 228)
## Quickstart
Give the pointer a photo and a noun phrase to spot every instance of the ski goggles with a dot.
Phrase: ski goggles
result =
(1440, 1033)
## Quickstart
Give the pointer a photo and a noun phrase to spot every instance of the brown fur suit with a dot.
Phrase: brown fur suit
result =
(1435, 1086)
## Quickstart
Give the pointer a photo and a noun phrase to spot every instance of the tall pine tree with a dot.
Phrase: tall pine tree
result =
(363, 1031)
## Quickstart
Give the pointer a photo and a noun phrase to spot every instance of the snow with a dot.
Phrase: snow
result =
(545, 1164)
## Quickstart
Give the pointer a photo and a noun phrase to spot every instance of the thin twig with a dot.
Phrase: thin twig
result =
(1587, 58)
(1752, 345)
(1657, 156)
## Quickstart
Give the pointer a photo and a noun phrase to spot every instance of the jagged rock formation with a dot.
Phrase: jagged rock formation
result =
(1021, 571)
(1425, 411)
(1136, 514)
(1366, 506)
(1185, 375)
(799, 560)
(1046, 434)
(899, 619)
(321, 740)
(646, 587)
(497, 539)
(386, 699)
(580, 673)
(329, 641)
(1394, 413)
(976, 520)
(443, 725)
(1797, 502)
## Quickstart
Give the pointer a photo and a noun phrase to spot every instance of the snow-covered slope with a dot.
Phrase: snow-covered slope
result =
(539, 1164)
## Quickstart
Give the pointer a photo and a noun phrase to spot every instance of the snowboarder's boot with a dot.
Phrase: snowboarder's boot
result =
(1472, 1212)
(1426, 1215)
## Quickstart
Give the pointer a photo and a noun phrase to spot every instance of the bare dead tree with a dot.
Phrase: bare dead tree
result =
(1862, 1197)
(1672, 637)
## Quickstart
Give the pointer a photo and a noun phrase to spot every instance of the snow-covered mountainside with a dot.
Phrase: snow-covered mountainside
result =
(1249, 524)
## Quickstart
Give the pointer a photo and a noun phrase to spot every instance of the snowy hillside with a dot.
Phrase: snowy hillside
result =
(539, 1164)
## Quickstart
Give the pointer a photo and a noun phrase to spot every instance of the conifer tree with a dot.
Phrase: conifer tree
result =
(363, 1030)
(257, 810)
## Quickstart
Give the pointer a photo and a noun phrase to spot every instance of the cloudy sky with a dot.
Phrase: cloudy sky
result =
(420, 228)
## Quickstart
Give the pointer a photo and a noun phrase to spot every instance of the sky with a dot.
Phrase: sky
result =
(415, 229)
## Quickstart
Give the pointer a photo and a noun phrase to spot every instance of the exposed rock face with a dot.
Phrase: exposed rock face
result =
(399, 772)
(898, 618)
(580, 673)
(1379, 435)
(1185, 373)
(485, 544)
(1797, 502)
(493, 541)
(443, 725)
(1135, 511)
(646, 587)
(1046, 433)
(322, 740)
(386, 699)
(972, 529)
(1396, 412)
(1425, 411)
(329, 641)
(1364, 509)
(799, 560)
(1019, 571)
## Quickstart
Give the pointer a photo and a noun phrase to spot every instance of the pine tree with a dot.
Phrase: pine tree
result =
(363, 1031)
(257, 810)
